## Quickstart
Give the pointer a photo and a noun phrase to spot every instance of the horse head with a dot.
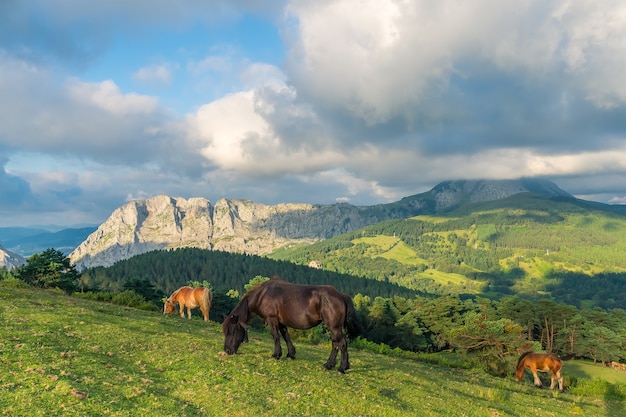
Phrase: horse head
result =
(521, 366)
(168, 307)
(234, 334)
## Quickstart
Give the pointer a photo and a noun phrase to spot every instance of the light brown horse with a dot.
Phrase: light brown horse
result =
(541, 362)
(190, 298)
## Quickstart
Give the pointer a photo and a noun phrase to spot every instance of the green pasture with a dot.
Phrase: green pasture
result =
(62, 355)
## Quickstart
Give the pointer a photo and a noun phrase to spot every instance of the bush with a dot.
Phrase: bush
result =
(11, 282)
(130, 298)
(599, 388)
(96, 296)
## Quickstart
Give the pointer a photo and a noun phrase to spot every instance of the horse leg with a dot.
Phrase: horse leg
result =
(537, 380)
(552, 380)
(182, 310)
(273, 325)
(291, 349)
(558, 377)
(337, 338)
(345, 363)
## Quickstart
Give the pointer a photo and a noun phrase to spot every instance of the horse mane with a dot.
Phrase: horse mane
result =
(171, 297)
(521, 358)
(241, 309)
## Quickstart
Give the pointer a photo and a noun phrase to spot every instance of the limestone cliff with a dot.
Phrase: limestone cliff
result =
(10, 260)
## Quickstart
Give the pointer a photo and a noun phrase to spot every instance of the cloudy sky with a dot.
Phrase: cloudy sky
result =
(359, 101)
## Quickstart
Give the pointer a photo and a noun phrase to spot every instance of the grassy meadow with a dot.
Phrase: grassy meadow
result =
(66, 355)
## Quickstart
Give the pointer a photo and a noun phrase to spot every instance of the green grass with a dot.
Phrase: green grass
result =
(66, 355)
(590, 370)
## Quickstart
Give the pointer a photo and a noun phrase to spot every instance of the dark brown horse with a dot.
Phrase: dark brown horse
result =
(190, 298)
(541, 362)
(282, 304)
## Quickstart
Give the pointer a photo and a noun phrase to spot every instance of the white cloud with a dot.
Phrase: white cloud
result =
(107, 96)
(234, 134)
(154, 74)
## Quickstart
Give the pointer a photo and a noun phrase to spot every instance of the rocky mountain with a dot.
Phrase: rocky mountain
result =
(244, 226)
(10, 260)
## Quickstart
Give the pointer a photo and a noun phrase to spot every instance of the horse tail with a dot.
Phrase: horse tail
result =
(351, 321)
(208, 298)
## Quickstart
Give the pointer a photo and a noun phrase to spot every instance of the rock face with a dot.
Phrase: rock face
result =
(244, 226)
(10, 260)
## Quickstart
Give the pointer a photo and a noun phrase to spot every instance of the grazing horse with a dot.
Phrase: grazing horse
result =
(190, 298)
(282, 304)
(541, 362)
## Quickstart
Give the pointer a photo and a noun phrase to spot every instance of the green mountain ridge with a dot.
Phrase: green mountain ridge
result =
(526, 244)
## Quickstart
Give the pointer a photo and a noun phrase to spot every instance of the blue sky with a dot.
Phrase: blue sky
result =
(363, 102)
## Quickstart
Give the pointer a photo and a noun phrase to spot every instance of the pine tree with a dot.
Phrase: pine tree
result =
(49, 269)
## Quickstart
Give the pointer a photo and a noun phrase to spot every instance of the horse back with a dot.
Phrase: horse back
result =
(190, 297)
(541, 361)
(548, 361)
(180, 295)
(296, 305)
(199, 296)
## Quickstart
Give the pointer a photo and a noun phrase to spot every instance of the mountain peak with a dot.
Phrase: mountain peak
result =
(452, 194)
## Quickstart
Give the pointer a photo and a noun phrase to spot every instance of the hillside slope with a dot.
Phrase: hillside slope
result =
(526, 244)
(61, 353)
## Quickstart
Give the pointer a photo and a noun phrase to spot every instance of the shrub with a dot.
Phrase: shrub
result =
(130, 298)
(11, 282)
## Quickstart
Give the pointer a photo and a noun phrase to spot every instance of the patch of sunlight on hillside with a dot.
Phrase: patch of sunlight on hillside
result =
(380, 241)
(390, 247)
(455, 281)
(432, 219)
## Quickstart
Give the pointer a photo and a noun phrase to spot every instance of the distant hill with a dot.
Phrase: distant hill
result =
(526, 244)
(244, 226)
(26, 241)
